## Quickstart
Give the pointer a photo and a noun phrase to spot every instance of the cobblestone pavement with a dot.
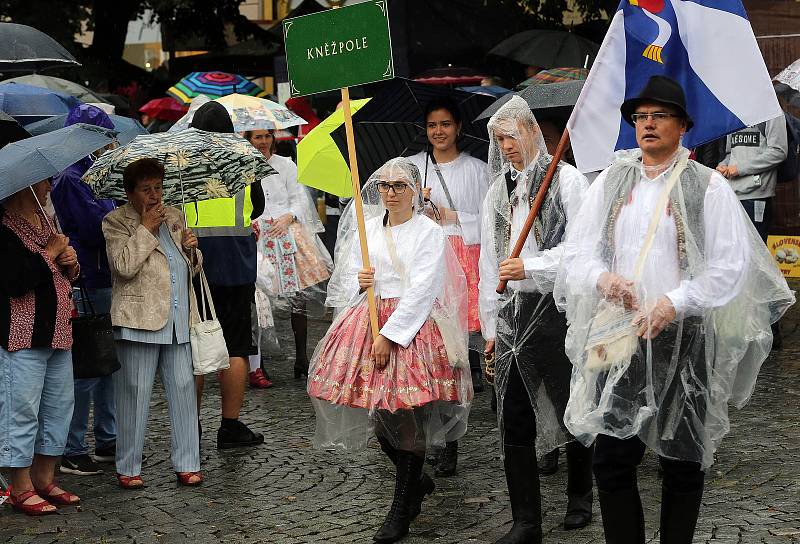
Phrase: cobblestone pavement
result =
(286, 492)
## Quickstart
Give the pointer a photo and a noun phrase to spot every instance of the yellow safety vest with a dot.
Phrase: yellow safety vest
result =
(221, 216)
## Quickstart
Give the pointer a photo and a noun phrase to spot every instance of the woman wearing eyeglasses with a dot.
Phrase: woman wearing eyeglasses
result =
(456, 184)
(412, 384)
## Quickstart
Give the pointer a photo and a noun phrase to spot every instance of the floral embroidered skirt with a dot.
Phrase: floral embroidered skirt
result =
(302, 268)
(468, 259)
(342, 371)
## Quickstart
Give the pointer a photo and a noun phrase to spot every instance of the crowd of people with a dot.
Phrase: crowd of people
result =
(641, 304)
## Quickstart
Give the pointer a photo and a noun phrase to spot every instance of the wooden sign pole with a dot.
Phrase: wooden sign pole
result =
(362, 230)
(537, 203)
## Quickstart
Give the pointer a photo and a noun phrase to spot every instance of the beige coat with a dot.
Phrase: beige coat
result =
(140, 270)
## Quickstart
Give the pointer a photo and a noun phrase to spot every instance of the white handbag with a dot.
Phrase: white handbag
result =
(209, 352)
(612, 336)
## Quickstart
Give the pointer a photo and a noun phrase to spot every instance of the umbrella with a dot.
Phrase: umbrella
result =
(28, 104)
(213, 85)
(392, 124)
(319, 162)
(127, 129)
(11, 130)
(556, 75)
(23, 48)
(788, 84)
(554, 99)
(451, 75)
(247, 113)
(547, 49)
(57, 84)
(198, 165)
(166, 109)
(489, 90)
(33, 159)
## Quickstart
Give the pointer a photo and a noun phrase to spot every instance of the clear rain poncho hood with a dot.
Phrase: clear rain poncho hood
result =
(422, 398)
(708, 259)
(528, 329)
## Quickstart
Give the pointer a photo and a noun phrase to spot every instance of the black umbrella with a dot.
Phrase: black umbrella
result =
(547, 49)
(25, 49)
(547, 100)
(10, 130)
(392, 124)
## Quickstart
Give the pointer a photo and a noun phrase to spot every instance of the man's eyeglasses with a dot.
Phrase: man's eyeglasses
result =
(657, 116)
(398, 188)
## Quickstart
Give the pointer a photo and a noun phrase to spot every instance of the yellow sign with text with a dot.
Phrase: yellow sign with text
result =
(786, 252)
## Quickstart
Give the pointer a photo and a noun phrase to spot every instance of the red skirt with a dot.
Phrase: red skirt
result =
(468, 259)
(342, 371)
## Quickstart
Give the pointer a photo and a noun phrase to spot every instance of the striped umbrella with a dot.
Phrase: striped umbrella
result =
(556, 75)
(198, 165)
(213, 85)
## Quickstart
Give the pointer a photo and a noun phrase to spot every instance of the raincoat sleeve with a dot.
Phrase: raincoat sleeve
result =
(425, 283)
(726, 256)
(489, 277)
(543, 268)
(583, 238)
(74, 202)
(127, 252)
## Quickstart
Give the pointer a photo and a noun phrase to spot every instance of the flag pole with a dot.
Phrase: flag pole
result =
(362, 230)
(537, 203)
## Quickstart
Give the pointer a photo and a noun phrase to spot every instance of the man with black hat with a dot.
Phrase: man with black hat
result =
(669, 294)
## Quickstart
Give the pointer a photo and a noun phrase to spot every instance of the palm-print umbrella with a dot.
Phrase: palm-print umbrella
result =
(213, 85)
(247, 113)
(198, 165)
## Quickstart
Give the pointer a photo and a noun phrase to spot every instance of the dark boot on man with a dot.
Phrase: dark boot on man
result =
(448, 460)
(549, 463)
(579, 486)
(477, 372)
(409, 471)
(679, 513)
(522, 478)
(623, 518)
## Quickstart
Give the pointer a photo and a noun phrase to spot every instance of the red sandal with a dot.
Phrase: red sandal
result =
(17, 502)
(130, 482)
(65, 498)
(185, 478)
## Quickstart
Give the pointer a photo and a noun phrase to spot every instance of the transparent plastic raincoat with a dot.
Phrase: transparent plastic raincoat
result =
(527, 328)
(422, 397)
(293, 267)
(705, 257)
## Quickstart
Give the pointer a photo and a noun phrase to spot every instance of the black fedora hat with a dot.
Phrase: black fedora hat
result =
(660, 89)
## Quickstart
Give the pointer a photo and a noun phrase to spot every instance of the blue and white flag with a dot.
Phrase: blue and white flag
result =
(707, 46)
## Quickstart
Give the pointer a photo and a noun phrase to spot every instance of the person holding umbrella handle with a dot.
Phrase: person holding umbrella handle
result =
(35, 343)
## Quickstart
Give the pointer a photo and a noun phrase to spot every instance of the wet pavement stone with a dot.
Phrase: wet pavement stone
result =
(285, 492)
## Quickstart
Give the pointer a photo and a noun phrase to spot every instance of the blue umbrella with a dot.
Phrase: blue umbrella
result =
(33, 159)
(213, 85)
(490, 90)
(27, 103)
(127, 128)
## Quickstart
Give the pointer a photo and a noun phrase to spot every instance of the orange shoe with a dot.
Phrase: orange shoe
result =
(189, 479)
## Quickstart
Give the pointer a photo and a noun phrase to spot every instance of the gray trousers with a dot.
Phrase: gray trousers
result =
(133, 387)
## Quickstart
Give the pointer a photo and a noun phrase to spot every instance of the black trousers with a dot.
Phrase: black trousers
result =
(616, 460)
(519, 419)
